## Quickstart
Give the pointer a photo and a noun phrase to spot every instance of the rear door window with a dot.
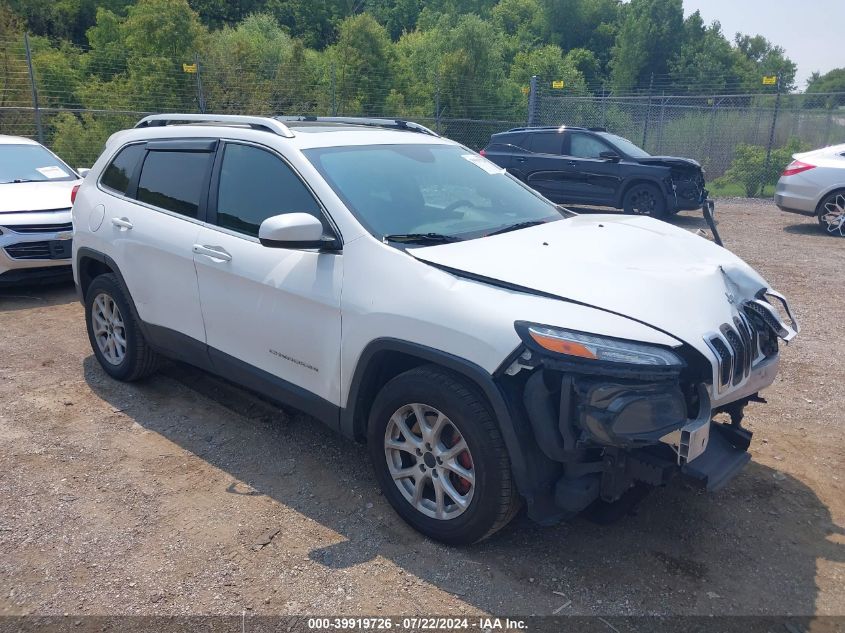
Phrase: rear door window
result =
(256, 184)
(175, 180)
(546, 143)
(118, 174)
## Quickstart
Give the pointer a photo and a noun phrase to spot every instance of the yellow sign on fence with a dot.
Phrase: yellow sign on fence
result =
(558, 85)
(189, 68)
(526, 90)
(770, 80)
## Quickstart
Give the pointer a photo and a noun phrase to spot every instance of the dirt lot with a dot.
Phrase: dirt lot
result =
(155, 498)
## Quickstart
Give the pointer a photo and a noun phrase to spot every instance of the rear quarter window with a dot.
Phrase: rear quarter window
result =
(118, 174)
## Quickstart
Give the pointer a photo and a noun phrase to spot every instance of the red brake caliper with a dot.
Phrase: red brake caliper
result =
(463, 485)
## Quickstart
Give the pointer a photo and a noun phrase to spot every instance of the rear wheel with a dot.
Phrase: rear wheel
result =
(115, 337)
(831, 214)
(644, 199)
(439, 457)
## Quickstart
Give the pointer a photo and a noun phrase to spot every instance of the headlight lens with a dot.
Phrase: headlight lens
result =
(597, 348)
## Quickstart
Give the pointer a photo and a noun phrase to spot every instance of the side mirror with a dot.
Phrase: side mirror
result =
(82, 171)
(611, 156)
(294, 230)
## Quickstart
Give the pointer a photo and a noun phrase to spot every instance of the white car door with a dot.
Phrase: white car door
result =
(154, 233)
(272, 315)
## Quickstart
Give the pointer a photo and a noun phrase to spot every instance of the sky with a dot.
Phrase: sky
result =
(809, 30)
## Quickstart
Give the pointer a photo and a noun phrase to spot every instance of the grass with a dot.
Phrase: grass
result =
(735, 190)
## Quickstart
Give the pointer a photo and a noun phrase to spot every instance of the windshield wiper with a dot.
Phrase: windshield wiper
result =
(516, 227)
(420, 238)
(18, 180)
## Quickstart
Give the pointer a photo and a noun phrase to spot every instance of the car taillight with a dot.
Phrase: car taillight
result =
(796, 167)
(483, 153)
(73, 193)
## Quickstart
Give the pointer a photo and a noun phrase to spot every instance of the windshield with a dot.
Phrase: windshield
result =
(31, 163)
(428, 190)
(625, 145)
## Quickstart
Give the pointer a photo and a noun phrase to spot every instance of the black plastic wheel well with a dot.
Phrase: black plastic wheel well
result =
(89, 269)
(381, 368)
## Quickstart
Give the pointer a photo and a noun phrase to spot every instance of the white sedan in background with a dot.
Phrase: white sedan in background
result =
(814, 184)
(36, 189)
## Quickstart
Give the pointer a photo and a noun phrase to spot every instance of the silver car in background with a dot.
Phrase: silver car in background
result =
(36, 191)
(814, 184)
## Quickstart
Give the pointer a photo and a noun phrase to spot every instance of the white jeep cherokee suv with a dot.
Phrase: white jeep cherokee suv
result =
(489, 347)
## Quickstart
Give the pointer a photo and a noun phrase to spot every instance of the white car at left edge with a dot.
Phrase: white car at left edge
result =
(36, 195)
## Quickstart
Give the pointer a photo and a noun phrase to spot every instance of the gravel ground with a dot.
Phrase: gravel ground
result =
(184, 495)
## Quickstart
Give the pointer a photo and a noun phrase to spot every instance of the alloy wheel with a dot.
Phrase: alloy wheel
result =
(109, 328)
(429, 461)
(832, 216)
(643, 202)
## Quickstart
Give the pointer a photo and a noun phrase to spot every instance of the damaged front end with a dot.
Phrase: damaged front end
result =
(685, 180)
(610, 416)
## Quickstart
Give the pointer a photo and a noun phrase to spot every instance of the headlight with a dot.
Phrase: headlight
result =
(579, 345)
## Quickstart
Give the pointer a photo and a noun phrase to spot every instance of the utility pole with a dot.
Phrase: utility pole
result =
(200, 95)
(771, 138)
(334, 93)
(38, 128)
(533, 102)
(437, 100)
(648, 109)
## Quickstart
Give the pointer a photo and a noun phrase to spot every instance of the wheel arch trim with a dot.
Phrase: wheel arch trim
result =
(353, 426)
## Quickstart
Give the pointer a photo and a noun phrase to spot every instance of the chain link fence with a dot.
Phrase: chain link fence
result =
(743, 140)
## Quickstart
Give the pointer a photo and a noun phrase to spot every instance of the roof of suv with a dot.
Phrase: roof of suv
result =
(299, 132)
(550, 128)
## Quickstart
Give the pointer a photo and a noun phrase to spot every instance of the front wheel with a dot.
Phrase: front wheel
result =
(645, 199)
(832, 214)
(439, 457)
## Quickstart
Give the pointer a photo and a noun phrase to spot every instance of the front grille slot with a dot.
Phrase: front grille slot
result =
(40, 228)
(54, 249)
(29, 250)
(736, 349)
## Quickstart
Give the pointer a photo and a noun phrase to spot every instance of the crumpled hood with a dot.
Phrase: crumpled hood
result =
(36, 196)
(670, 161)
(637, 267)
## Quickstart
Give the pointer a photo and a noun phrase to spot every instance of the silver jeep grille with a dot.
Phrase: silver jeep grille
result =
(736, 346)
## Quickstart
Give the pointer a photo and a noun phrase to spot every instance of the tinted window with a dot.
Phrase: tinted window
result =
(174, 180)
(118, 174)
(586, 146)
(546, 143)
(256, 185)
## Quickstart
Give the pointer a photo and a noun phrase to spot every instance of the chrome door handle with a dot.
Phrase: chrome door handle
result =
(214, 252)
(122, 223)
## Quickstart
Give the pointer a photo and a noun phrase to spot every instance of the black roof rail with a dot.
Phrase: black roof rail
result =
(544, 127)
(597, 129)
(397, 124)
(266, 124)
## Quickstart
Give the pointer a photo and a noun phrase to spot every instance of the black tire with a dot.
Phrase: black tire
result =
(138, 360)
(832, 224)
(494, 500)
(645, 199)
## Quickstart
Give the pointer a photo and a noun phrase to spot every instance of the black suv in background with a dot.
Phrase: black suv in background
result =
(571, 165)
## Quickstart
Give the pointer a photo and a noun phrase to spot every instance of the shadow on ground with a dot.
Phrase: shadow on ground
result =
(751, 549)
(27, 297)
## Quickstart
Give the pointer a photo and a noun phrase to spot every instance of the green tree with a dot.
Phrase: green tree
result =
(647, 42)
(364, 60)
(831, 82)
(755, 57)
(705, 63)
